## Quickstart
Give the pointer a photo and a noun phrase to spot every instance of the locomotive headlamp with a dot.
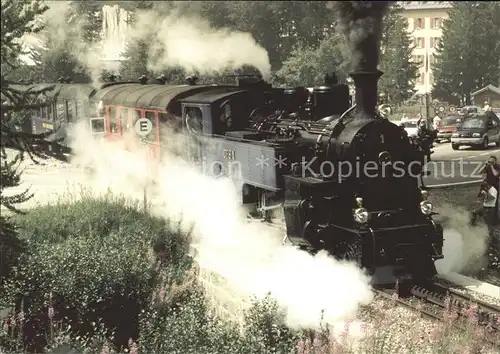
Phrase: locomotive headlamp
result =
(425, 195)
(426, 207)
(361, 215)
(476, 135)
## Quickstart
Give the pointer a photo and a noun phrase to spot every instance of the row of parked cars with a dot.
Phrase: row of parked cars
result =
(469, 129)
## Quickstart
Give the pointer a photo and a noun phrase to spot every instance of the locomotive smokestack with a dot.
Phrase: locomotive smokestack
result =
(361, 23)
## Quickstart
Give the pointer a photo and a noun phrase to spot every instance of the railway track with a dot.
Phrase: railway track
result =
(440, 303)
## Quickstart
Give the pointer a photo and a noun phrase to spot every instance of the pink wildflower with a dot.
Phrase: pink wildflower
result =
(162, 293)
(21, 317)
(301, 347)
(447, 303)
(6, 325)
(105, 349)
(132, 346)
(472, 315)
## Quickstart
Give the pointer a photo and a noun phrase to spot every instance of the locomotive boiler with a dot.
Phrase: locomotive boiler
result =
(351, 182)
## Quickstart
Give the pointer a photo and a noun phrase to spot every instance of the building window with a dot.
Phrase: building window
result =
(420, 22)
(436, 22)
(420, 42)
(419, 60)
(434, 42)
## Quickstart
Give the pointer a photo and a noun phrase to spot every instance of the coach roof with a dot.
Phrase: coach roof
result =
(146, 96)
(217, 94)
(57, 90)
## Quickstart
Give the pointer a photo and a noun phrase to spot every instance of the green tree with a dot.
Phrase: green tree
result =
(398, 82)
(467, 55)
(18, 19)
(135, 55)
(307, 66)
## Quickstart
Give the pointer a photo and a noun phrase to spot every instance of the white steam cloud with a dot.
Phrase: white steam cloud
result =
(191, 43)
(61, 32)
(464, 245)
(249, 255)
(174, 39)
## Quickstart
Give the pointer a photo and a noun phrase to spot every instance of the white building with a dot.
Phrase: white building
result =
(425, 19)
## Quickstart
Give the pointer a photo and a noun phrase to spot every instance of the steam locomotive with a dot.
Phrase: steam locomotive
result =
(338, 176)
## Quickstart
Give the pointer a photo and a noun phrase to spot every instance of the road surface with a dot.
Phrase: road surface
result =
(455, 166)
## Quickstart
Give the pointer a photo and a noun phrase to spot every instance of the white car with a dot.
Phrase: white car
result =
(410, 126)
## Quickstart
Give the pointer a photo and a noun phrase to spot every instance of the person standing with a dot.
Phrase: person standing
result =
(486, 107)
(491, 172)
(436, 122)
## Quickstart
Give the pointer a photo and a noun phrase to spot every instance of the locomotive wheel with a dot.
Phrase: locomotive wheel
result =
(486, 143)
(349, 251)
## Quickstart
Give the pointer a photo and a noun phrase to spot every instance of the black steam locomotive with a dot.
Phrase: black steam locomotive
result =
(340, 177)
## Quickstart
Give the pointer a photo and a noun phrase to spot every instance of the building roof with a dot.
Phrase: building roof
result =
(491, 88)
(425, 5)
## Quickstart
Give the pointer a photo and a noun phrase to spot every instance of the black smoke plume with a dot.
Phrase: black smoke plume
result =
(361, 23)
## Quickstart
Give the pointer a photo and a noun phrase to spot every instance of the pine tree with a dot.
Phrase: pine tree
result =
(398, 82)
(18, 19)
(467, 55)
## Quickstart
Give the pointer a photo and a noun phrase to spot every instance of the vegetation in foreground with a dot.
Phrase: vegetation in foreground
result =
(99, 275)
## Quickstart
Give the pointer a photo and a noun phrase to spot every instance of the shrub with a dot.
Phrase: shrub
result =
(95, 260)
(192, 327)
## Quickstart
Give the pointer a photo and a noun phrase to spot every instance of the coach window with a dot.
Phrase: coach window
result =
(97, 125)
(113, 123)
(79, 109)
(194, 119)
(133, 115)
(123, 112)
(152, 119)
(61, 112)
(43, 112)
(49, 112)
(70, 106)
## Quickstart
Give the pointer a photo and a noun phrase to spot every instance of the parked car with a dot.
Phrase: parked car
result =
(448, 126)
(468, 111)
(477, 131)
(410, 126)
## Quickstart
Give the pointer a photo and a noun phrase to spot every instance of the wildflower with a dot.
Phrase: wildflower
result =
(162, 293)
(301, 347)
(395, 296)
(447, 303)
(105, 349)
(472, 315)
(132, 346)
(6, 325)
(50, 312)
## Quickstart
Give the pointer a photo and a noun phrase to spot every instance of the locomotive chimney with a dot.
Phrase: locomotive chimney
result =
(365, 97)
(361, 22)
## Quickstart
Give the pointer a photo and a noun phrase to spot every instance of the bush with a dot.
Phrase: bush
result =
(92, 261)
(193, 328)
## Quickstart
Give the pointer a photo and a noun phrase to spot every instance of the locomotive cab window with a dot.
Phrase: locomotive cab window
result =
(193, 117)
(226, 116)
